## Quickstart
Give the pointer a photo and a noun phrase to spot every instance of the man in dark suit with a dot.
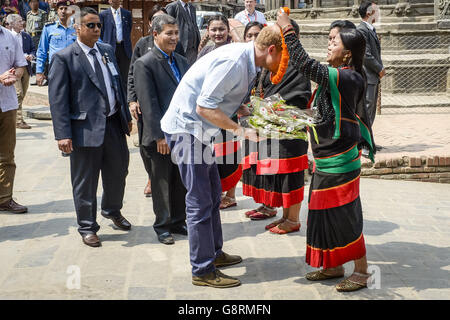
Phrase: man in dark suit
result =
(156, 76)
(90, 120)
(116, 31)
(144, 45)
(15, 21)
(185, 14)
(373, 65)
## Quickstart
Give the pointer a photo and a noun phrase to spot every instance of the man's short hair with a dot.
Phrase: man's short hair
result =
(87, 10)
(268, 37)
(342, 24)
(11, 18)
(159, 21)
(364, 8)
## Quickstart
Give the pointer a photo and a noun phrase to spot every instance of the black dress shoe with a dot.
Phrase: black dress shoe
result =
(119, 221)
(91, 240)
(166, 238)
(183, 230)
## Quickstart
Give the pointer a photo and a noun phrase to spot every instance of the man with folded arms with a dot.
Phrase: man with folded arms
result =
(12, 65)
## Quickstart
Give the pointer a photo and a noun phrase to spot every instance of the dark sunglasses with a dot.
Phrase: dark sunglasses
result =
(92, 25)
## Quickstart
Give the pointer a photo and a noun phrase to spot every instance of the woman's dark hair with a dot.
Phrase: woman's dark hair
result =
(154, 10)
(342, 24)
(252, 24)
(219, 17)
(353, 40)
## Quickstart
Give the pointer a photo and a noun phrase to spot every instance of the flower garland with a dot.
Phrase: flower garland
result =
(282, 68)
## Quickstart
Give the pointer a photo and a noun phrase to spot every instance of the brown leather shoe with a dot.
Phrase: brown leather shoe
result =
(226, 259)
(12, 206)
(91, 240)
(148, 189)
(216, 279)
(23, 125)
(119, 221)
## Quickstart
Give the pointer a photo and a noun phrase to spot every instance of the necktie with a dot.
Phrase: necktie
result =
(186, 7)
(99, 73)
(118, 26)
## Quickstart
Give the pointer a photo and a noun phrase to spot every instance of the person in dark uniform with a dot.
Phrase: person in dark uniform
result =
(90, 120)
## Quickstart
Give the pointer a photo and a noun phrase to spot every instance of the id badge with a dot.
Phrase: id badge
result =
(112, 69)
(36, 25)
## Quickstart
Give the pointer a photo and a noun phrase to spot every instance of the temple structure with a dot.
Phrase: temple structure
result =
(415, 42)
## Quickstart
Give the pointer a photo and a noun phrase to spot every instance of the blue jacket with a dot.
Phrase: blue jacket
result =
(77, 102)
(28, 48)
(108, 33)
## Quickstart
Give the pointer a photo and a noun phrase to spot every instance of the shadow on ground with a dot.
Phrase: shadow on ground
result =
(400, 268)
(58, 227)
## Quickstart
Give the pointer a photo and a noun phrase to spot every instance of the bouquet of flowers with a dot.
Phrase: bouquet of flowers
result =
(273, 118)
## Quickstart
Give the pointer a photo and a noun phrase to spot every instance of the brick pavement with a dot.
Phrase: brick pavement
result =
(407, 231)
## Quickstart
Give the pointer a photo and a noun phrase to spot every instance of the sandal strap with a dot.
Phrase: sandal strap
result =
(292, 222)
(366, 275)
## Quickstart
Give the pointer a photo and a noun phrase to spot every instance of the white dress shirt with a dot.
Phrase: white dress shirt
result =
(245, 17)
(106, 75)
(219, 80)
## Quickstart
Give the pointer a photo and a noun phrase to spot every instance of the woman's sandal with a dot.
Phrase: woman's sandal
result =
(320, 276)
(275, 223)
(248, 214)
(262, 215)
(278, 230)
(227, 202)
(348, 285)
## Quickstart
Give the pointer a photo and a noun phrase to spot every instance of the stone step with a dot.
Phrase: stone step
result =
(38, 112)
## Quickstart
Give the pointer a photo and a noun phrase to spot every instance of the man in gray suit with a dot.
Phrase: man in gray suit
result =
(373, 65)
(185, 14)
(156, 77)
(90, 120)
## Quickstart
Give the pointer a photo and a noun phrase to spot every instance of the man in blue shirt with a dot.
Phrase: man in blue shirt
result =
(209, 94)
(54, 37)
(156, 77)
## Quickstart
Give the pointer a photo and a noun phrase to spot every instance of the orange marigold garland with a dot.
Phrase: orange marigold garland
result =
(276, 79)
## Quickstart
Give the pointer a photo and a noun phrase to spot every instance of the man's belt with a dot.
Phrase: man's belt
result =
(36, 33)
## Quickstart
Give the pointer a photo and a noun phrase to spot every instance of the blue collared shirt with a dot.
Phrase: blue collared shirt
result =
(54, 37)
(11, 56)
(172, 64)
(221, 79)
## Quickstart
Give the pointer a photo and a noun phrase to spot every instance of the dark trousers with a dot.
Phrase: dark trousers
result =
(123, 62)
(86, 163)
(371, 101)
(144, 155)
(200, 176)
(168, 191)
